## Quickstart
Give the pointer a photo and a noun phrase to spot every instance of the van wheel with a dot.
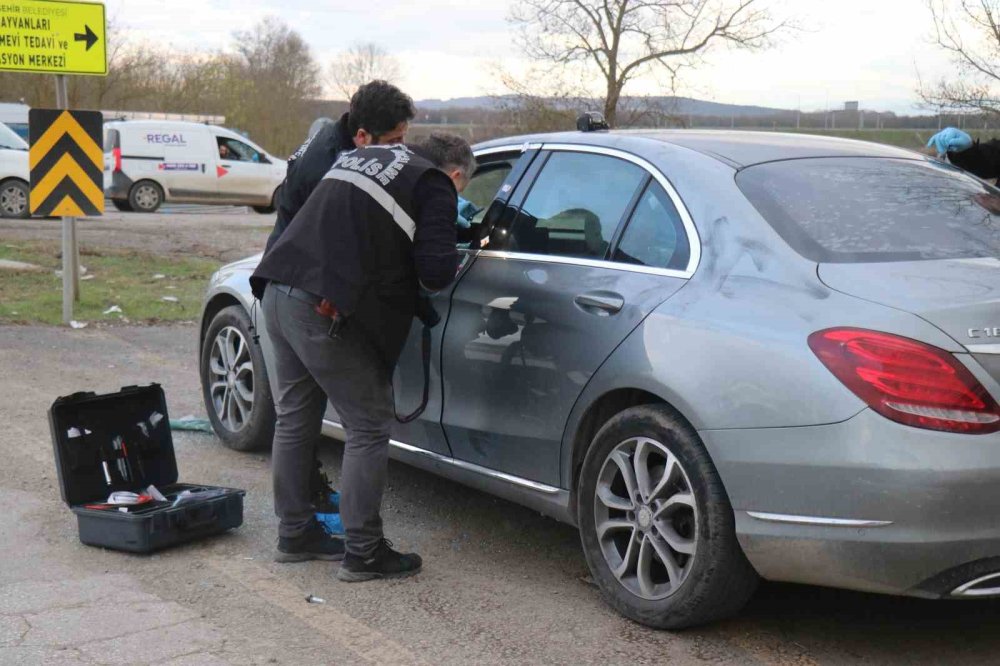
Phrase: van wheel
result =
(267, 210)
(657, 527)
(122, 205)
(14, 199)
(145, 197)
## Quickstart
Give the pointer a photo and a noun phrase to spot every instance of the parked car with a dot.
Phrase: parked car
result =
(149, 162)
(14, 174)
(724, 356)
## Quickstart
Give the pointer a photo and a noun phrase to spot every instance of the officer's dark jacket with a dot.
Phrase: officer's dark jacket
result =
(306, 167)
(981, 159)
(379, 223)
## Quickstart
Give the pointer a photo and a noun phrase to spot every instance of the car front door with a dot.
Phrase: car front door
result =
(244, 175)
(495, 171)
(557, 289)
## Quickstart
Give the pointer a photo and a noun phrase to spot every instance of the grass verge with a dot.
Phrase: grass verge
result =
(124, 278)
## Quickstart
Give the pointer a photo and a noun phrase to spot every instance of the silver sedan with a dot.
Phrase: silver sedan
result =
(723, 355)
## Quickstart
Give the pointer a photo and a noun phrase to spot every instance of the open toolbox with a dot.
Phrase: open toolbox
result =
(121, 442)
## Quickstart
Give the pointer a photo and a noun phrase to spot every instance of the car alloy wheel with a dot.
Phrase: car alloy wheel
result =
(231, 374)
(657, 527)
(13, 200)
(646, 518)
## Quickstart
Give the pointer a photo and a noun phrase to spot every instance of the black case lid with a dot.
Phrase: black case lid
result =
(83, 426)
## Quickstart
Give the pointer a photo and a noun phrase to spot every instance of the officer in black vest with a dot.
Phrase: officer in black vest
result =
(380, 113)
(342, 287)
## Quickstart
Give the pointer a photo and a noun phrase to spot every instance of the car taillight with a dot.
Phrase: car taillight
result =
(117, 155)
(908, 381)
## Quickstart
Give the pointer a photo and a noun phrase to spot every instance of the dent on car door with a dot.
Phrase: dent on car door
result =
(495, 173)
(545, 304)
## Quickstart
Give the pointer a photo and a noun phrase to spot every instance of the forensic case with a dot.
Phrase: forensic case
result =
(121, 442)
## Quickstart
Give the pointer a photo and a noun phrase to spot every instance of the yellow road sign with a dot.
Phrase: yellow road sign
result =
(53, 36)
(66, 161)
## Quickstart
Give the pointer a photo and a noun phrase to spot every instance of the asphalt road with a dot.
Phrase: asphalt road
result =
(501, 584)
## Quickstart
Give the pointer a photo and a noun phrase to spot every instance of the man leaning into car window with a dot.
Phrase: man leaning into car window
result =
(342, 289)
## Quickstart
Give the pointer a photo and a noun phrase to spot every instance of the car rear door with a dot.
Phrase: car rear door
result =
(563, 281)
(497, 173)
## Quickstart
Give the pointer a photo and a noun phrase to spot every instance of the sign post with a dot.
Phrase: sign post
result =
(60, 37)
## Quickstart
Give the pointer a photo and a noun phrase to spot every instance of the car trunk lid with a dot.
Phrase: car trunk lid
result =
(959, 296)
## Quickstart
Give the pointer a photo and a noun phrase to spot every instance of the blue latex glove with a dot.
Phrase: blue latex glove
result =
(950, 140)
(466, 211)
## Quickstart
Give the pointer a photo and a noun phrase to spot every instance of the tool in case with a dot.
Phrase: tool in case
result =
(108, 446)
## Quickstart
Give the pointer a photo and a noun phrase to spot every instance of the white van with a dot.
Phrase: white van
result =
(14, 174)
(149, 162)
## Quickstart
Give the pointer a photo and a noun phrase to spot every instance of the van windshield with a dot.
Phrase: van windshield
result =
(9, 139)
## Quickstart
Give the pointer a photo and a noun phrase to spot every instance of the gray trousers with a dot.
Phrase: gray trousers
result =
(307, 367)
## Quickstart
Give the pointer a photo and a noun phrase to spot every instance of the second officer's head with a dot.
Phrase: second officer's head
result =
(380, 114)
(450, 153)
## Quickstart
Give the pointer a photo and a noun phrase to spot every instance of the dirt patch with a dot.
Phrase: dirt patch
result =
(221, 234)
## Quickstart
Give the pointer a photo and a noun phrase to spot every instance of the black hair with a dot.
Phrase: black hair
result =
(449, 150)
(378, 107)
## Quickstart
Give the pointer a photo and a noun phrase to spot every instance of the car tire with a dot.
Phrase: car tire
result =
(122, 205)
(629, 536)
(234, 383)
(267, 210)
(14, 199)
(145, 197)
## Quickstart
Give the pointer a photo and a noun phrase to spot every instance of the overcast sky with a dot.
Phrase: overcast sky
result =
(867, 50)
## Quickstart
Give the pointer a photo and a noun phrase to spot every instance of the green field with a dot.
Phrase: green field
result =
(120, 277)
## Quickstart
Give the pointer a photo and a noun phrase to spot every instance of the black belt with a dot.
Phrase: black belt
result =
(296, 293)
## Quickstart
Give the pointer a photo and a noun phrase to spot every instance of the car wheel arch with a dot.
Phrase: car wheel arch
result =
(214, 306)
(599, 412)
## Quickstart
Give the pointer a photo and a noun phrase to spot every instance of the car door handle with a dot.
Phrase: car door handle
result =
(601, 303)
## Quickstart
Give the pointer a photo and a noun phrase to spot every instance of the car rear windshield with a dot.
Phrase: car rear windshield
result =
(844, 210)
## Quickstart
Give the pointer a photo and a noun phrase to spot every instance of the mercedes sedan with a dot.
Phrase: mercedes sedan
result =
(724, 356)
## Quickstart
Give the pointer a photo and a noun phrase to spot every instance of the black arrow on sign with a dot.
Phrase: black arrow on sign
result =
(88, 36)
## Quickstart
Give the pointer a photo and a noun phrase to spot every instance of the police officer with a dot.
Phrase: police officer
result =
(342, 287)
(380, 113)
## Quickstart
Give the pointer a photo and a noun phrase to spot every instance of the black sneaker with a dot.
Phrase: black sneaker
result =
(384, 563)
(313, 544)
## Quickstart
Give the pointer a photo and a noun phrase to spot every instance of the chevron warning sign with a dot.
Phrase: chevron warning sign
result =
(67, 163)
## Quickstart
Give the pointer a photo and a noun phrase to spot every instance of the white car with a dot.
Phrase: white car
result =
(149, 162)
(14, 174)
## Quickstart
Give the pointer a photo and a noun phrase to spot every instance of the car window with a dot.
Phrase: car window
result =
(483, 186)
(844, 210)
(237, 150)
(575, 205)
(10, 139)
(655, 234)
(112, 140)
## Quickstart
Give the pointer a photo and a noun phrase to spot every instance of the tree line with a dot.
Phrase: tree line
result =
(265, 84)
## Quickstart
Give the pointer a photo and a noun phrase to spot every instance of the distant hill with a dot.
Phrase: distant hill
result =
(678, 105)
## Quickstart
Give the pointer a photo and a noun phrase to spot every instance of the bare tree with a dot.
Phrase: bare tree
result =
(361, 63)
(623, 39)
(969, 31)
(268, 84)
